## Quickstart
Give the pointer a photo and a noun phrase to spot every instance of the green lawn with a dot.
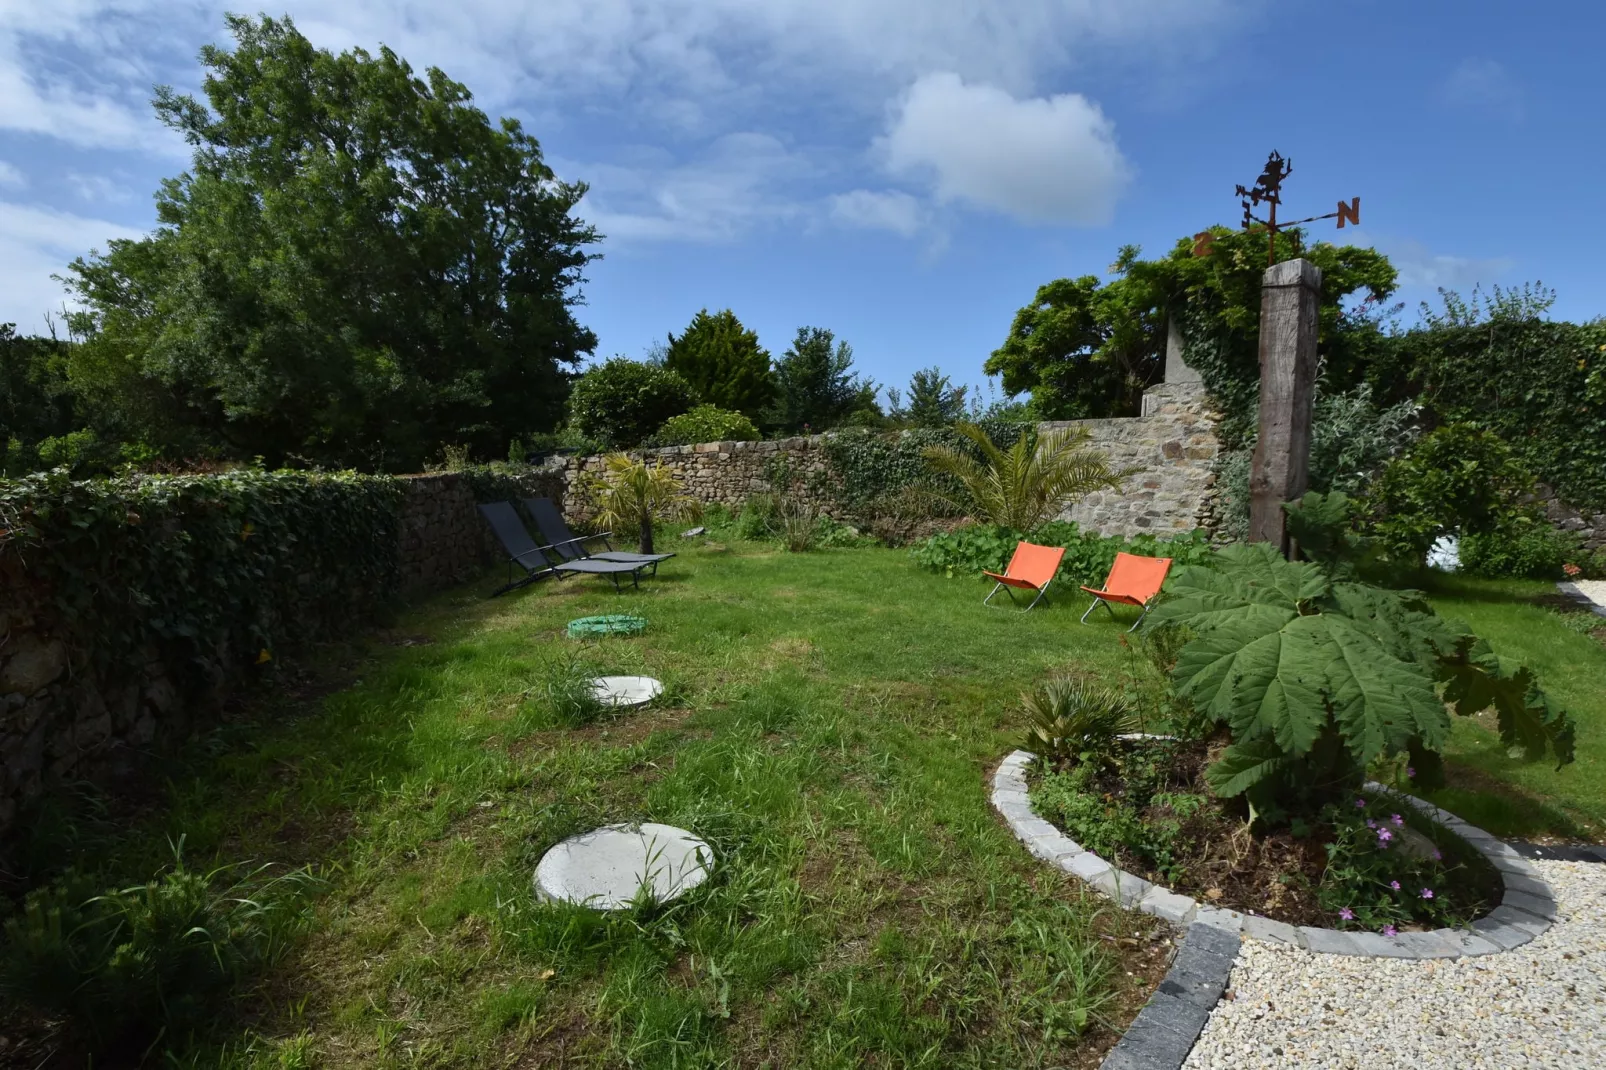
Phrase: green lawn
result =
(1524, 622)
(831, 723)
(830, 726)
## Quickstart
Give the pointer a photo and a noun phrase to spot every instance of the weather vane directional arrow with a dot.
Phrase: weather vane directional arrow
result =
(1268, 190)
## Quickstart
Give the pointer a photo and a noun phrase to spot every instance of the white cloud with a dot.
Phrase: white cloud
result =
(736, 184)
(11, 177)
(1421, 268)
(1484, 85)
(1041, 160)
(98, 188)
(38, 243)
(891, 210)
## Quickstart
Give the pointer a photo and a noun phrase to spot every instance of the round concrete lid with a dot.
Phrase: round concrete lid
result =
(623, 691)
(606, 868)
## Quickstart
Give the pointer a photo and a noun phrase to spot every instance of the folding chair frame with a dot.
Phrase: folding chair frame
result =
(1105, 602)
(1009, 589)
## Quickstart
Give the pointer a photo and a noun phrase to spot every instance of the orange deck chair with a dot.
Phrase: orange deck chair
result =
(1133, 581)
(1031, 568)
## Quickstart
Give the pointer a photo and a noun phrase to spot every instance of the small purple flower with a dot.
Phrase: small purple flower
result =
(1427, 893)
(1395, 885)
(1371, 824)
(1410, 771)
(1399, 822)
(1346, 913)
(1389, 930)
(1438, 856)
(1360, 804)
(1384, 835)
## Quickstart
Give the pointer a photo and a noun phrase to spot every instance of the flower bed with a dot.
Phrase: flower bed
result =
(1370, 863)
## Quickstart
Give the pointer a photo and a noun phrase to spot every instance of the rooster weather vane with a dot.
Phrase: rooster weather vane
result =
(1268, 190)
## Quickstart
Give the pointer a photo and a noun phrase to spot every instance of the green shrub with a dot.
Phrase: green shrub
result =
(621, 402)
(1524, 546)
(705, 423)
(133, 962)
(1070, 722)
(759, 518)
(1316, 679)
(1457, 480)
(1088, 557)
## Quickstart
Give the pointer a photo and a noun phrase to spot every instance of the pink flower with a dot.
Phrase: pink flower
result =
(1410, 770)
(1384, 835)
(1360, 804)
(1427, 893)
(1371, 824)
(1399, 822)
(1389, 930)
(1395, 885)
(1346, 913)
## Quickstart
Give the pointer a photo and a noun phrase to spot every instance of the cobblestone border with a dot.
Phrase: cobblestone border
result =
(1576, 593)
(1165, 1030)
(1527, 908)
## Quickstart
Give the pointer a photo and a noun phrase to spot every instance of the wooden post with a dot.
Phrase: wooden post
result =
(1288, 301)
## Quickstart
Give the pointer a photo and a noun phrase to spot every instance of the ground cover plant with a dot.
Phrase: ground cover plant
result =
(829, 724)
(966, 551)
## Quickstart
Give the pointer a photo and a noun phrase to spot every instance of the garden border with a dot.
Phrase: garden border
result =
(1527, 907)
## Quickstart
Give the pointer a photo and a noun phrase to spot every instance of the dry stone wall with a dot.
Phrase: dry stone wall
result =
(444, 540)
(1172, 450)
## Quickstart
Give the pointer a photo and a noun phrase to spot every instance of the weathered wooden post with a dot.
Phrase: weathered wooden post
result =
(1289, 295)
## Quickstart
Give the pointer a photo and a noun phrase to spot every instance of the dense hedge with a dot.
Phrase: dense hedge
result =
(1088, 555)
(868, 467)
(212, 570)
(1538, 384)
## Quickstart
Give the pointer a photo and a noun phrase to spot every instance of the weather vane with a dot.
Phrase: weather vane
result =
(1268, 190)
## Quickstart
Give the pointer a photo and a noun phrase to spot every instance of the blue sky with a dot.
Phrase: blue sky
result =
(904, 172)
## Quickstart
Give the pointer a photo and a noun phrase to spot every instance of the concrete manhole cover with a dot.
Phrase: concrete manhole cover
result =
(622, 692)
(606, 868)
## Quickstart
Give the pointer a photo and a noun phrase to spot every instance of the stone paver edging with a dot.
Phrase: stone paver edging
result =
(1165, 1030)
(1527, 908)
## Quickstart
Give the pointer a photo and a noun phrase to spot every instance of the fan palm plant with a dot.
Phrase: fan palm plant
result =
(1025, 486)
(632, 494)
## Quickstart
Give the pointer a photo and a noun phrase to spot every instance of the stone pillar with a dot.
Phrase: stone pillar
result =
(1176, 369)
(1289, 295)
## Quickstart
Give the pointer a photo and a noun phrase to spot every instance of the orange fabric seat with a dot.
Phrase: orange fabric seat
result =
(1030, 568)
(1133, 581)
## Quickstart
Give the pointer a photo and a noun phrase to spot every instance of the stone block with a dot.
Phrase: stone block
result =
(1329, 941)
(1275, 932)
(1467, 943)
(1539, 906)
(1168, 905)
(1089, 866)
(1226, 920)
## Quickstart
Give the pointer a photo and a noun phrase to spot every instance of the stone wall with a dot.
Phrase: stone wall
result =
(1588, 526)
(1173, 446)
(61, 723)
(444, 540)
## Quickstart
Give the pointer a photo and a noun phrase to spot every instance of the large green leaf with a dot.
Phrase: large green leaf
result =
(1283, 685)
(1263, 571)
(1476, 680)
(1243, 765)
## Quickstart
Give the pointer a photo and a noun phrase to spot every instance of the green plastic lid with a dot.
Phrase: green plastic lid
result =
(611, 624)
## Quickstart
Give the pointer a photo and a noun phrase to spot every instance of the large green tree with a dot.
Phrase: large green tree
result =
(358, 267)
(933, 400)
(1086, 348)
(815, 384)
(723, 362)
(35, 400)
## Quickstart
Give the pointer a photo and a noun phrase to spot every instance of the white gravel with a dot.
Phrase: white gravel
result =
(1594, 590)
(1542, 1005)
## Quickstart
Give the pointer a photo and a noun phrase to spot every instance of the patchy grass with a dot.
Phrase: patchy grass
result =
(829, 725)
(1529, 621)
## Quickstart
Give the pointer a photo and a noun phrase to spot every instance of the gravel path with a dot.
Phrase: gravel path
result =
(1594, 590)
(1543, 1005)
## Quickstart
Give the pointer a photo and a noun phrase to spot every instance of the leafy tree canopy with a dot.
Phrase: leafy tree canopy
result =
(933, 400)
(35, 400)
(357, 267)
(815, 385)
(723, 362)
(621, 402)
(1086, 348)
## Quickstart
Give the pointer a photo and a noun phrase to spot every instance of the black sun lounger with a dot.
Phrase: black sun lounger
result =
(555, 530)
(524, 553)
